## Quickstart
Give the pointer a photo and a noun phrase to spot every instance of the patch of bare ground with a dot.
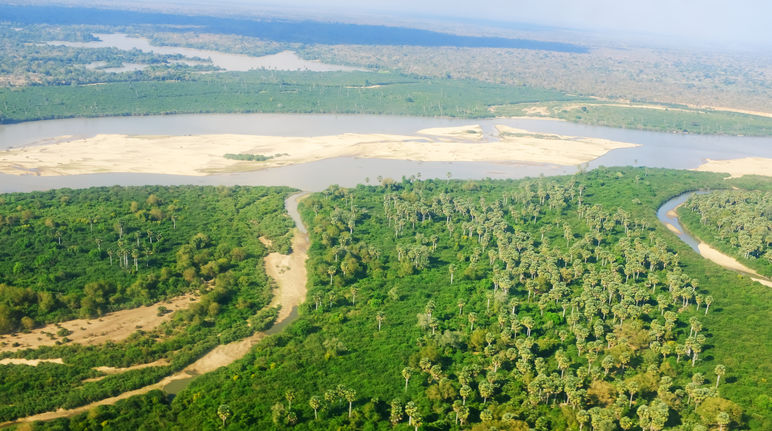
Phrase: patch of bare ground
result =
(116, 326)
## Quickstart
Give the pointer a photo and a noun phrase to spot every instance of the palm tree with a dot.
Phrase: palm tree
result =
(290, 396)
(315, 402)
(461, 304)
(708, 301)
(720, 371)
(331, 270)
(412, 411)
(407, 372)
(350, 395)
(380, 317)
(465, 391)
(528, 323)
(486, 390)
(224, 412)
(472, 316)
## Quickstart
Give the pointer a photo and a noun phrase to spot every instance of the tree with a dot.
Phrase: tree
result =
(290, 396)
(486, 390)
(472, 316)
(720, 370)
(582, 417)
(396, 412)
(708, 301)
(224, 412)
(380, 317)
(722, 418)
(315, 402)
(406, 373)
(465, 391)
(350, 395)
(412, 411)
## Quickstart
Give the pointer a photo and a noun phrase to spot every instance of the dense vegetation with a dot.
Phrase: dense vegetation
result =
(269, 91)
(249, 157)
(737, 221)
(658, 118)
(544, 304)
(68, 253)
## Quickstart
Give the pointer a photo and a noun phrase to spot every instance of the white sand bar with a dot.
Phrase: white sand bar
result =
(739, 167)
(204, 154)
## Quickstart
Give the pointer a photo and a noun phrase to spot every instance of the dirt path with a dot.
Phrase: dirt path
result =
(289, 272)
(116, 326)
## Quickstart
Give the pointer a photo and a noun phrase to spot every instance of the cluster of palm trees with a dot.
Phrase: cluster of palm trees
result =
(740, 217)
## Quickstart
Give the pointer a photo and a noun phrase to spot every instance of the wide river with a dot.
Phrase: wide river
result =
(656, 150)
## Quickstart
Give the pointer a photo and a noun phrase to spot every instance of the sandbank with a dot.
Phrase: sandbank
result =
(204, 154)
(716, 256)
(739, 167)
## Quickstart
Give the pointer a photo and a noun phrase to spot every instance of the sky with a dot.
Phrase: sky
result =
(725, 22)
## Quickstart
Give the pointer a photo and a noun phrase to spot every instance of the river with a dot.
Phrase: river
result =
(664, 150)
(285, 60)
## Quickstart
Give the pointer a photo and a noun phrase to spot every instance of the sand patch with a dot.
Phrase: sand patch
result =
(30, 362)
(116, 326)
(118, 370)
(716, 256)
(673, 229)
(764, 282)
(204, 154)
(739, 167)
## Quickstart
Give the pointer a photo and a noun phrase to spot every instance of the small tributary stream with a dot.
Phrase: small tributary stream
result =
(667, 215)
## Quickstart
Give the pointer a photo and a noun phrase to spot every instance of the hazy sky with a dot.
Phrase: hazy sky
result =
(729, 21)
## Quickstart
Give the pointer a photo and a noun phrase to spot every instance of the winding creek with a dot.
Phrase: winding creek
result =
(288, 271)
(667, 216)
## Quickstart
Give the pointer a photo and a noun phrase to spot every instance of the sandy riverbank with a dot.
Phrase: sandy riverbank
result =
(739, 167)
(716, 256)
(116, 326)
(204, 154)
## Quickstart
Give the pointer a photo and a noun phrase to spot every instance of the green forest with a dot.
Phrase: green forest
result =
(739, 222)
(83, 253)
(557, 303)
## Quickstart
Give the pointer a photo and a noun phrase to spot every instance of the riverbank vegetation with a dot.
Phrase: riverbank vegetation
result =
(84, 253)
(738, 222)
(554, 303)
(270, 91)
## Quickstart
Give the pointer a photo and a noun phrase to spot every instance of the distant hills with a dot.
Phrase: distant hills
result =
(311, 32)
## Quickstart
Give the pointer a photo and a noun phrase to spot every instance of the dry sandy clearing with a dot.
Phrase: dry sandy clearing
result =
(115, 326)
(204, 154)
(739, 167)
(30, 362)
